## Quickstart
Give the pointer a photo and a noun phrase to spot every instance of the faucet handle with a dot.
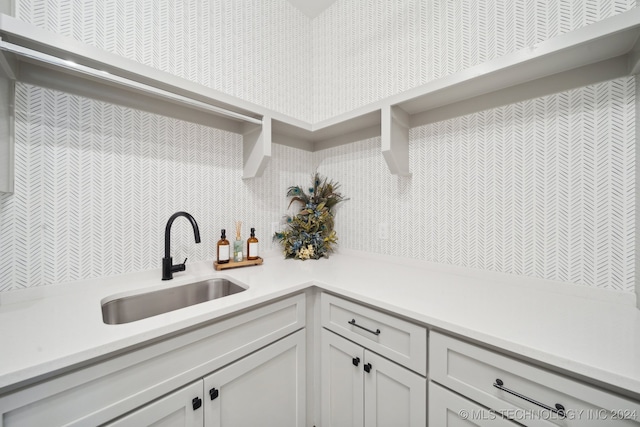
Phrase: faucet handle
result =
(179, 267)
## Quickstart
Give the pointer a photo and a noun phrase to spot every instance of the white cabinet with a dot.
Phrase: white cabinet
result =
(342, 386)
(266, 388)
(394, 396)
(448, 409)
(394, 338)
(180, 408)
(360, 387)
(527, 394)
(102, 391)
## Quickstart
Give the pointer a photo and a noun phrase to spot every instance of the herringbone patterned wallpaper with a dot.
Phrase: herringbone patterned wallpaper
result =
(366, 50)
(542, 188)
(256, 50)
(96, 183)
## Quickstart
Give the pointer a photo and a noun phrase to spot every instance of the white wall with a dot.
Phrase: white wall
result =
(256, 50)
(637, 189)
(365, 50)
(96, 182)
(542, 188)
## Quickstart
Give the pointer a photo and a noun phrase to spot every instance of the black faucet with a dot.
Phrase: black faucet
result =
(167, 262)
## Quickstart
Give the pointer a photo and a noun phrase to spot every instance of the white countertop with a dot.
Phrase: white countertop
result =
(589, 333)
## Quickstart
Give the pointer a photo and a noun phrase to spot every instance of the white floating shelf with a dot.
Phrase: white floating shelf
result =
(28, 36)
(610, 38)
(79, 68)
(601, 51)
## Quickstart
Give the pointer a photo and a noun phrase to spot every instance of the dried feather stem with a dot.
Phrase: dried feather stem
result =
(238, 229)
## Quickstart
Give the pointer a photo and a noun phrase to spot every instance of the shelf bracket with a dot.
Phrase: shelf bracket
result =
(7, 95)
(395, 139)
(8, 66)
(634, 59)
(256, 147)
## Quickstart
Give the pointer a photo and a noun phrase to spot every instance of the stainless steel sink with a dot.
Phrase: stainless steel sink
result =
(140, 306)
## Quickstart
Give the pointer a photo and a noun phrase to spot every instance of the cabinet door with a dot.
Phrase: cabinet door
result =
(342, 397)
(393, 395)
(265, 388)
(180, 408)
(448, 409)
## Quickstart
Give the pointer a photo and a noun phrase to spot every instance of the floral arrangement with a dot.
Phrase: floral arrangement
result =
(310, 234)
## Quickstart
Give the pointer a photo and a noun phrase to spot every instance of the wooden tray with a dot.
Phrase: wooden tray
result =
(231, 264)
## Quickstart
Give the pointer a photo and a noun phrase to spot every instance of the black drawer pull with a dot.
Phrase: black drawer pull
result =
(355, 361)
(353, 322)
(367, 367)
(196, 402)
(213, 393)
(559, 409)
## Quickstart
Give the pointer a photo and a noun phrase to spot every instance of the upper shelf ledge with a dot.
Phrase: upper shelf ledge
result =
(79, 68)
(610, 38)
(600, 51)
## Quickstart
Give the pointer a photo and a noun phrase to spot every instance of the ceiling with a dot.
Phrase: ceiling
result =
(312, 8)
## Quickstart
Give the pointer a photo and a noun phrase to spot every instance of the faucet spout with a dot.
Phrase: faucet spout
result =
(167, 262)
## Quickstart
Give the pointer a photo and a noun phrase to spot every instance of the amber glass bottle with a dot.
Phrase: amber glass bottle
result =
(252, 246)
(223, 248)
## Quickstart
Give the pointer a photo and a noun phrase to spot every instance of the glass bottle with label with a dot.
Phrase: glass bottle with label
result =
(252, 246)
(223, 248)
(237, 245)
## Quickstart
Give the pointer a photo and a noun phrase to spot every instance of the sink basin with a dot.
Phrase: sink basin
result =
(140, 306)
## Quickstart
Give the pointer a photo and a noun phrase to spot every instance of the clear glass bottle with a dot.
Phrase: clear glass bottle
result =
(223, 248)
(237, 245)
(252, 246)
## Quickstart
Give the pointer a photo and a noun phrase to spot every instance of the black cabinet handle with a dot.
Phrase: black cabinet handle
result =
(367, 367)
(196, 402)
(355, 361)
(559, 409)
(213, 393)
(353, 322)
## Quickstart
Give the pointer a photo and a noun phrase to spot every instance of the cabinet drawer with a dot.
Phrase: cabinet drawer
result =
(525, 393)
(105, 390)
(401, 341)
(448, 409)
